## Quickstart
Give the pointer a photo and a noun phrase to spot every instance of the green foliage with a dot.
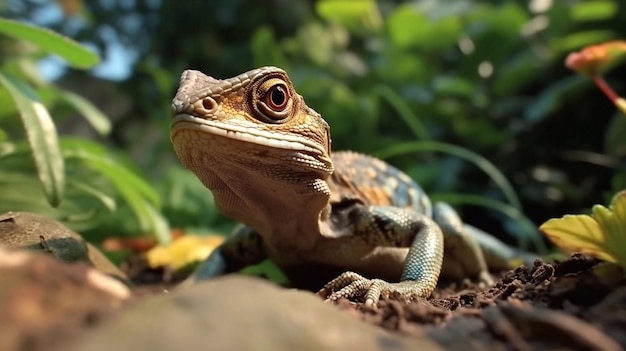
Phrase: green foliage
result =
(51, 42)
(601, 234)
(95, 179)
(42, 137)
(483, 75)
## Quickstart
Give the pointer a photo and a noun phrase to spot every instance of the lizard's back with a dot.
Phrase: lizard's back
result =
(365, 179)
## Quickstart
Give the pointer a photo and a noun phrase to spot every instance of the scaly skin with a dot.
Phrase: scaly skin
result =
(265, 156)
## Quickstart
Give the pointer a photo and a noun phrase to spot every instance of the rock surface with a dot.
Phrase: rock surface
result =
(30, 231)
(240, 313)
(43, 300)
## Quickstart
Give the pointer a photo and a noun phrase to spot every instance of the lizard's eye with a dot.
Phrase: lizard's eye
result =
(277, 97)
(273, 101)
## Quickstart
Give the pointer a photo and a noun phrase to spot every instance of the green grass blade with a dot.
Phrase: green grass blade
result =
(428, 146)
(107, 201)
(49, 41)
(90, 112)
(404, 111)
(140, 196)
(529, 231)
(42, 138)
(93, 153)
(119, 177)
(160, 226)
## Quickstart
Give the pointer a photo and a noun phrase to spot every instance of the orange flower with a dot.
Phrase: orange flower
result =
(594, 59)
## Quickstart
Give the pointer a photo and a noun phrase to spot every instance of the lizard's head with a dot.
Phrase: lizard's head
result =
(253, 141)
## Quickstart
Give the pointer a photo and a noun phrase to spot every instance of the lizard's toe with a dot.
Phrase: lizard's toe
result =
(353, 286)
(342, 286)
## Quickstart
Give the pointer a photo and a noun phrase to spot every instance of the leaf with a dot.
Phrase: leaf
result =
(551, 98)
(42, 138)
(352, 14)
(72, 52)
(262, 39)
(183, 251)
(107, 201)
(98, 120)
(579, 39)
(404, 111)
(139, 195)
(602, 235)
(593, 10)
(410, 28)
(484, 164)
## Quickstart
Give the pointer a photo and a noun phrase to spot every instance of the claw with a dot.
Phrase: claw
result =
(352, 285)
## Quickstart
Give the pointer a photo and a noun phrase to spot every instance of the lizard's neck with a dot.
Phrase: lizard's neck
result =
(287, 214)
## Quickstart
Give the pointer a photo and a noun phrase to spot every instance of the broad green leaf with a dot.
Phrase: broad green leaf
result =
(410, 28)
(262, 39)
(7, 107)
(42, 137)
(593, 10)
(446, 85)
(352, 14)
(580, 39)
(602, 235)
(72, 52)
(92, 114)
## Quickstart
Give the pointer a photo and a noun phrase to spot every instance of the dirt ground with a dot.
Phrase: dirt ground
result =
(576, 304)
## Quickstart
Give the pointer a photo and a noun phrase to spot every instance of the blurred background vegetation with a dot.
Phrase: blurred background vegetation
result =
(402, 80)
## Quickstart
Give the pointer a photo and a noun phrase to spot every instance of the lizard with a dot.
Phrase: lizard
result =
(266, 157)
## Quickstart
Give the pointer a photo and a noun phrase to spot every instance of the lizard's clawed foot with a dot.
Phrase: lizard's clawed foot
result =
(352, 285)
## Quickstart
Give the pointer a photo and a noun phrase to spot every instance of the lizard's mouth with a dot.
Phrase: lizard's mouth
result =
(187, 133)
(248, 134)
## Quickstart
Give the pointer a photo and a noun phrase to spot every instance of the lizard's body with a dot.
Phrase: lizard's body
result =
(265, 156)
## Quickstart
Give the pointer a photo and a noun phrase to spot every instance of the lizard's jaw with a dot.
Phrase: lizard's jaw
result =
(238, 142)
(245, 132)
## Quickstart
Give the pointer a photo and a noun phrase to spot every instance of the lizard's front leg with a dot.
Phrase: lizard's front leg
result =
(382, 226)
(243, 248)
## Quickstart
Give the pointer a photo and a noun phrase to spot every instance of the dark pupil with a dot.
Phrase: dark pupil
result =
(278, 96)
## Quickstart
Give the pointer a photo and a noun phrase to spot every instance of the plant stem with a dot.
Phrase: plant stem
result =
(606, 89)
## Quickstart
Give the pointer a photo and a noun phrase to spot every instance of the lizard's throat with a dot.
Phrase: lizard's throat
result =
(284, 213)
(272, 191)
